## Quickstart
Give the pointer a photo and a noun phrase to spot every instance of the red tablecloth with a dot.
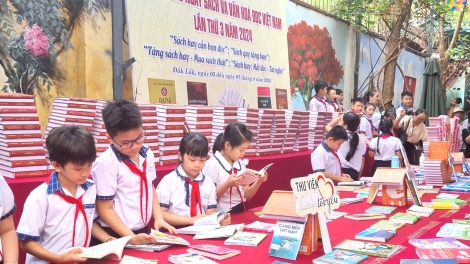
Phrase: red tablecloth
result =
(286, 166)
(339, 230)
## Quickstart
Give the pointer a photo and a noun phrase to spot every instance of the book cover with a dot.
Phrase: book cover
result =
(148, 247)
(428, 261)
(286, 240)
(388, 225)
(394, 195)
(368, 248)
(463, 255)
(375, 234)
(366, 216)
(281, 99)
(214, 249)
(436, 243)
(340, 257)
(190, 258)
(245, 239)
(404, 218)
(461, 221)
(163, 238)
(419, 210)
(281, 205)
(261, 226)
(381, 209)
(197, 93)
(264, 97)
(223, 231)
(134, 260)
(162, 91)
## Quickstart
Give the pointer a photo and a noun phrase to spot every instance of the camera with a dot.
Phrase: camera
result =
(409, 112)
(458, 100)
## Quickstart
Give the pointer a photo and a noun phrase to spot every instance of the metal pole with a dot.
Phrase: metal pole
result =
(117, 22)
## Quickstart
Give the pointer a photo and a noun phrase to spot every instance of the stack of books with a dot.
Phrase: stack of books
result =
(171, 119)
(199, 119)
(223, 116)
(302, 136)
(99, 130)
(293, 120)
(437, 172)
(316, 130)
(278, 132)
(249, 116)
(454, 135)
(263, 140)
(21, 148)
(150, 126)
(71, 111)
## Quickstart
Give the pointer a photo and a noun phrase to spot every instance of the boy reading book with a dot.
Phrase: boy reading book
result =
(8, 237)
(124, 175)
(324, 158)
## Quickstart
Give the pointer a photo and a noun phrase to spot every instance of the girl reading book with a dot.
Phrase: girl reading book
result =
(351, 153)
(187, 194)
(385, 146)
(229, 148)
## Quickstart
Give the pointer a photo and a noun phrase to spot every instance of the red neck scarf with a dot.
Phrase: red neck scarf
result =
(143, 185)
(321, 101)
(384, 136)
(195, 197)
(234, 171)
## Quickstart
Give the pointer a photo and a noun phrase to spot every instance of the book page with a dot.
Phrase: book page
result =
(263, 170)
(223, 231)
(212, 219)
(113, 248)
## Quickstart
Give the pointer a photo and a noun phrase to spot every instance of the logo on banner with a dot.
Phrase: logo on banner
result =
(164, 91)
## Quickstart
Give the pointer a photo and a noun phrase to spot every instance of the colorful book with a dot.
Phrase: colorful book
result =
(190, 258)
(437, 243)
(340, 257)
(455, 231)
(463, 255)
(261, 226)
(388, 225)
(420, 211)
(214, 252)
(252, 175)
(351, 200)
(375, 234)
(148, 247)
(163, 238)
(441, 205)
(250, 239)
(368, 248)
(381, 209)
(134, 260)
(404, 218)
(461, 221)
(286, 240)
(428, 261)
(367, 216)
(447, 196)
(450, 200)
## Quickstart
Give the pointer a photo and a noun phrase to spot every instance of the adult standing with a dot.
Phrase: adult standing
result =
(373, 97)
(455, 111)
(415, 130)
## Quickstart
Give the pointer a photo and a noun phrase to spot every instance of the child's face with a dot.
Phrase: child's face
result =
(331, 95)
(322, 92)
(369, 111)
(358, 107)
(236, 153)
(407, 101)
(129, 142)
(73, 173)
(334, 144)
(192, 165)
(339, 97)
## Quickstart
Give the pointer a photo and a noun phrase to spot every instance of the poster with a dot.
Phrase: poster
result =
(162, 91)
(281, 99)
(231, 46)
(264, 97)
(410, 83)
(197, 93)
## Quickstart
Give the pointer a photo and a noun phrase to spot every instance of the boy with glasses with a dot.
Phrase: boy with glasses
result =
(124, 175)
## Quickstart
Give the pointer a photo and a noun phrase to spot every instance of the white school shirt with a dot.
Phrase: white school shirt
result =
(48, 219)
(174, 193)
(401, 108)
(317, 104)
(376, 117)
(115, 181)
(323, 160)
(356, 161)
(218, 168)
(365, 127)
(387, 147)
(7, 203)
(331, 106)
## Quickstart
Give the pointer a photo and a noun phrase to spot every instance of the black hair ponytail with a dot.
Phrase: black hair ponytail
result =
(352, 120)
(385, 127)
(235, 134)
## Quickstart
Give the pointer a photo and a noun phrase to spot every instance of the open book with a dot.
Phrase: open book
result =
(251, 175)
(223, 231)
(111, 250)
(163, 238)
(205, 224)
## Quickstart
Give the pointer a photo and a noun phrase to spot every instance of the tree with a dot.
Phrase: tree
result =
(28, 53)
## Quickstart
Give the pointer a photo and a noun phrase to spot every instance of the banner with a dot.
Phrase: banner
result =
(219, 52)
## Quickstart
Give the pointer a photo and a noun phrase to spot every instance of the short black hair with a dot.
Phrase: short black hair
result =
(369, 104)
(339, 91)
(318, 85)
(406, 93)
(71, 143)
(330, 89)
(121, 116)
(357, 99)
(337, 133)
(194, 144)
(235, 133)
(420, 111)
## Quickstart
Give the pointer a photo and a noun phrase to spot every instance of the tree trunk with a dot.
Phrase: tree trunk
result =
(393, 48)
(443, 56)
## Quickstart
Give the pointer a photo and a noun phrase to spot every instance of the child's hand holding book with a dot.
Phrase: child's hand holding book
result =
(195, 218)
(70, 256)
(263, 178)
(142, 239)
(346, 178)
(225, 220)
(235, 180)
(160, 223)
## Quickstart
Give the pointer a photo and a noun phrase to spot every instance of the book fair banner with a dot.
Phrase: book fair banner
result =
(209, 52)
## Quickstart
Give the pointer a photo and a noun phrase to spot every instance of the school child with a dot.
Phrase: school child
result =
(352, 151)
(366, 127)
(187, 194)
(330, 100)
(124, 175)
(229, 147)
(357, 108)
(318, 104)
(339, 100)
(59, 213)
(384, 147)
(406, 103)
(8, 237)
(324, 158)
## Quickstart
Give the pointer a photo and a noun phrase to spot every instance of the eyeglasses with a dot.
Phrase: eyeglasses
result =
(130, 144)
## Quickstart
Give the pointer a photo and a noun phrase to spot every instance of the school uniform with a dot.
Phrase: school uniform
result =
(353, 166)
(219, 170)
(387, 146)
(50, 219)
(376, 118)
(128, 184)
(317, 104)
(325, 160)
(331, 106)
(367, 127)
(7, 205)
(403, 107)
(186, 197)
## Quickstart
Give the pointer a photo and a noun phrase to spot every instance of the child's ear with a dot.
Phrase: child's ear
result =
(110, 139)
(180, 157)
(227, 145)
(56, 166)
